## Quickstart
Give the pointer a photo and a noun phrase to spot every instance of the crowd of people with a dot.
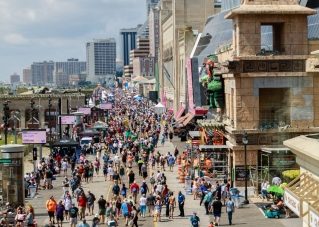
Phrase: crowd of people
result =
(127, 159)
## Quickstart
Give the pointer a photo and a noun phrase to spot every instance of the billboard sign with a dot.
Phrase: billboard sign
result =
(106, 106)
(85, 110)
(34, 136)
(67, 119)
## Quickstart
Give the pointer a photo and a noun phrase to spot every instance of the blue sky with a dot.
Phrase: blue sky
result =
(37, 30)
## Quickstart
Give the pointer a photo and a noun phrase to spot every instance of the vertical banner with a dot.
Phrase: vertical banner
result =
(190, 91)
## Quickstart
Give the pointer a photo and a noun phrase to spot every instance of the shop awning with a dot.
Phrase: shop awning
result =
(188, 119)
(179, 113)
(302, 189)
(194, 134)
(180, 120)
(203, 147)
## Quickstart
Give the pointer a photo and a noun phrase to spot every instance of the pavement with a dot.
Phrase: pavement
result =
(250, 215)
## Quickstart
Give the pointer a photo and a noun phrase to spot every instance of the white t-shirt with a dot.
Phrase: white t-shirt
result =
(110, 171)
(64, 165)
(142, 201)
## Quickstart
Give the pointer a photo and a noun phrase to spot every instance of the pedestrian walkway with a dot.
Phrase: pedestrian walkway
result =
(98, 187)
(249, 215)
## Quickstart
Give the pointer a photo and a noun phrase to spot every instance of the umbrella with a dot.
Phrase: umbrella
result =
(276, 181)
(277, 190)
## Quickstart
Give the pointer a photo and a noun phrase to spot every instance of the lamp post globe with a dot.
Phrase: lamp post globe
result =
(245, 142)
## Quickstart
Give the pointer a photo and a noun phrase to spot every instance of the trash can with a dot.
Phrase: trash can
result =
(188, 185)
(33, 190)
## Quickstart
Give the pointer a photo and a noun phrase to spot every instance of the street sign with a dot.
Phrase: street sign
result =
(5, 161)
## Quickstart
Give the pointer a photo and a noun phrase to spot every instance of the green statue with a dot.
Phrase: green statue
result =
(212, 80)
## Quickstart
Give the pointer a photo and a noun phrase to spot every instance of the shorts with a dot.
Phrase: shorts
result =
(82, 209)
(217, 214)
(59, 217)
(102, 211)
(143, 208)
(73, 221)
(125, 215)
(51, 214)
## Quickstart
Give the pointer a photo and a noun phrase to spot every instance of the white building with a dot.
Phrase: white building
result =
(101, 60)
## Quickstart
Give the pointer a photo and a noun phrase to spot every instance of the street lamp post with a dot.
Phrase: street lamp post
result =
(49, 124)
(245, 142)
(6, 116)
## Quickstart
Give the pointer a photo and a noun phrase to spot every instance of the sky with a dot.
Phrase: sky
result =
(38, 30)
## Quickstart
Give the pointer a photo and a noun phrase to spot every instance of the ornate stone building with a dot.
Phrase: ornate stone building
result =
(269, 93)
(42, 118)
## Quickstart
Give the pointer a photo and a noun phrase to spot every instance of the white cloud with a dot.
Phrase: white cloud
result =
(15, 39)
(35, 30)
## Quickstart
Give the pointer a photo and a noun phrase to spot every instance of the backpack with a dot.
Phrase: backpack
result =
(116, 189)
(142, 190)
(152, 180)
(194, 221)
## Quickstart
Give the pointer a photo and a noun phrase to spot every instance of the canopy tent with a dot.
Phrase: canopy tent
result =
(152, 81)
(100, 125)
(140, 79)
(159, 108)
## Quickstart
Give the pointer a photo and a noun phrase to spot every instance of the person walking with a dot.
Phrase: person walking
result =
(181, 203)
(135, 188)
(83, 224)
(82, 202)
(67, 205)
(143, 201)
(194, 219)
(73, 212)
(60, 213)
(207, 200)
(90, 202)
(217, 210)
(230, 209)
(102, 202)
(51, 205)
(172, 205)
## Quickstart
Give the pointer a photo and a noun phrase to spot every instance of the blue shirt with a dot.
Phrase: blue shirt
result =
(181, 198)
(124, 208)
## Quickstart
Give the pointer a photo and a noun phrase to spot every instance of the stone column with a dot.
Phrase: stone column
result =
(22, 118)
(11, 174)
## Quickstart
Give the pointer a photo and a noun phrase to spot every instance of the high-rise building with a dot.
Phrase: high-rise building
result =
(154, 32)
(14, 79)
(42, 72)
(101, 59)
(128, 43)
(150, 4)
(70, 67)
(26, 76)
(61, 79)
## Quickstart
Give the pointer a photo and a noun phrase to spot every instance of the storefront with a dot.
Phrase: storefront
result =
(302, 194)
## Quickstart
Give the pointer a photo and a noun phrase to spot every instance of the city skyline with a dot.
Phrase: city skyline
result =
(29, 29)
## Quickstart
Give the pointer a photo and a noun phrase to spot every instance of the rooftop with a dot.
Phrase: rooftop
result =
(305, 145)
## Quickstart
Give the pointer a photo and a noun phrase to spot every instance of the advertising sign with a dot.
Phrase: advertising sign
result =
(190, 86)
(106, 106)
(292, 202)
(313, 219)
(67, 119)
(240, 173)
(85, 110)
(34, 136)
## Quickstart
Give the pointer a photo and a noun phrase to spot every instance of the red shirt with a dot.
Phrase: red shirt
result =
(82, 201)
(135, 186)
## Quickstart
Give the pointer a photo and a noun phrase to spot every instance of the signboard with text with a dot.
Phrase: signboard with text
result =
(85, 110)
(313, 219)
(34, 136)
(106, 106)
(292, 202)
(67, 119)
(240, 173)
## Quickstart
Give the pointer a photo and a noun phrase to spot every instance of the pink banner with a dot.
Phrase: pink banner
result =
(190, 87)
